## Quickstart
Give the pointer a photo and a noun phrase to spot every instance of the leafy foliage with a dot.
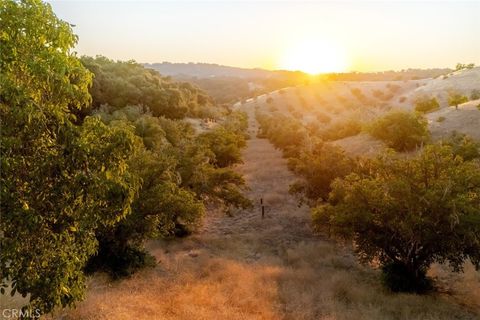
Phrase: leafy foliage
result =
(79, 187)
(455, 98)
(59, 185)
(463, 146)
(318, 166)
(425, 104)
(284, 132)
(318, 163)
(462, 66)
(179, 171)
(120, 84)
(400, 130)
(409, 213)
(341, 129)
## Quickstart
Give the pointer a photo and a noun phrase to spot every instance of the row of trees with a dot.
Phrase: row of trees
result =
(120, 84)
(404, 212)
(89, 172)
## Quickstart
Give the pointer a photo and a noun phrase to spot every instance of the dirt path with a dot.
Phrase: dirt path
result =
(246, 267)
(268, 179)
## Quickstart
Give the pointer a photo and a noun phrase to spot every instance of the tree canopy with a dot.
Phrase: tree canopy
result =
(120, 84)
(400, 130)
(408, 213)
(59, 184)
(90, 172)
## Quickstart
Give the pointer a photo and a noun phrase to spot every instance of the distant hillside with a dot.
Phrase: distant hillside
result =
(208, 70)
(407, 74)
(229, 84)
(462, 81)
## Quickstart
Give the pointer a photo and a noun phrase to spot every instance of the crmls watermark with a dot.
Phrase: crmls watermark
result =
(19, 313)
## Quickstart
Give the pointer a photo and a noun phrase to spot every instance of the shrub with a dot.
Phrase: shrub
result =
(440, 119)
(359, 95)
(318, 167)
(400, 130)
(455, 98)
(463, 146)
(475, 94)
(393, 88)
(462, 66)
(425, 104)
(322, 117)
(284, 132)
(408, 213)
(402, 99)
(341, 129)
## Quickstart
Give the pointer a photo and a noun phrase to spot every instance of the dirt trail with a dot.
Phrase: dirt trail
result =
(268, 178)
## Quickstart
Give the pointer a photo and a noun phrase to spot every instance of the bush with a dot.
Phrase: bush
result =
(475, 94)
(425, 104)
(284, 132)
(322, 117)
(393, 88)
(400, 130)
(402, 99)
(441, 119)
(455, 98)
(463, 146)
(359, 95)
(341, 129)
(318, 167)
(408, 213)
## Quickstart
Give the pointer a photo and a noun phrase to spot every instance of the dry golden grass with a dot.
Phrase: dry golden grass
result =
(246, 267)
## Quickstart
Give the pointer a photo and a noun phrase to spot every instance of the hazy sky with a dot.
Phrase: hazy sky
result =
(368, 35)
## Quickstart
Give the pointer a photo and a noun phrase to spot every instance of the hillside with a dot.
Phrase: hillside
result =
(463, 81)
(464, 120)
(210, 70)
(331, 104)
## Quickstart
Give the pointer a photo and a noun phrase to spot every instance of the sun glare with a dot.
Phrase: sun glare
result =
(314, 57)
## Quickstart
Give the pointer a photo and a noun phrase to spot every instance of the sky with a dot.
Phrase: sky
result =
(312, 36)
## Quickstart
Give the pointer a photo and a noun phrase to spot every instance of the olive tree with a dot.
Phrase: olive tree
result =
(408, 213)
(58, 183)
(455, 98)
(401, 130)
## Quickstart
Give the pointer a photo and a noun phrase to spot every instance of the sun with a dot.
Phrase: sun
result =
(314, 57)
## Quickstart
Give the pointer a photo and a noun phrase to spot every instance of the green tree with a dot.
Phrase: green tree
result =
(408, 213)
(425, 104)
(120, 84)
(179, 172)
(400, 130)
(463, 146)
(455, 98)
(461, 66)
(58, 184)
(319, 166)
